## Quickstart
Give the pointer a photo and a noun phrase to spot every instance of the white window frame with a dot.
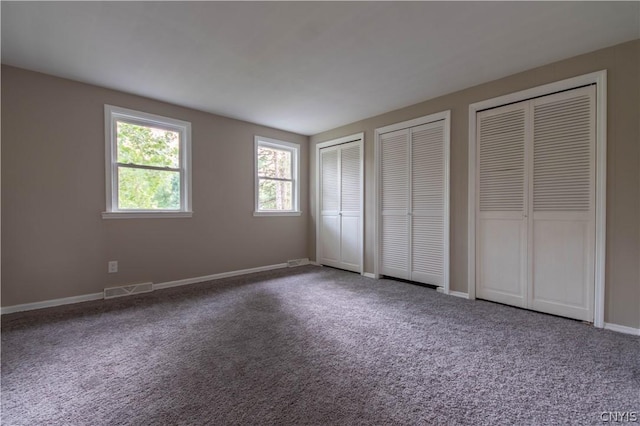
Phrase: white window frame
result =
(294, 148)
(113, 114)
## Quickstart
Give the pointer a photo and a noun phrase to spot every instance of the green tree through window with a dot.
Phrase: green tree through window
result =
(148, 167)
(276, 176)
(274, 171)
(148, 161)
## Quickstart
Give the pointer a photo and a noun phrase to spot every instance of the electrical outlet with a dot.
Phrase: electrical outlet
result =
(113, 266)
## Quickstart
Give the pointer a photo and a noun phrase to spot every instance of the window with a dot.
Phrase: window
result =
(148, 165)
(277, 175)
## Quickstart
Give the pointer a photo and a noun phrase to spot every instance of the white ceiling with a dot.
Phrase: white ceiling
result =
(303, 66)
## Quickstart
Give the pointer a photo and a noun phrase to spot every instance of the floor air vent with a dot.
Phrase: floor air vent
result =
(297, 262)
(126, 290)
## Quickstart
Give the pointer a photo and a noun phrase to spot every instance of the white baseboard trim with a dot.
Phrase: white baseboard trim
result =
(622, 329)
(459, 294)
(453, 293)
(99, 296)
(369, 275)
(51, 303)
(213, 277)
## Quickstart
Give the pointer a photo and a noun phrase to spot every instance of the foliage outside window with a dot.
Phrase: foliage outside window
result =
(148, 166)
(277, 188)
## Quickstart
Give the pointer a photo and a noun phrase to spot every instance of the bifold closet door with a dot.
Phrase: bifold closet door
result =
(536, 206)
(427, 203)
(350, 215)
(340, 209)
(562, 229)
(501, 240)
(394, 204)
(412, 192)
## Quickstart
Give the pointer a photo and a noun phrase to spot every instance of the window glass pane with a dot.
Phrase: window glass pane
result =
(148, 146)
(274, 163)
(148, 189)
(275, 195)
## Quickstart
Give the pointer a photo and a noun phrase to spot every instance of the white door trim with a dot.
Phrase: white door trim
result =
(443, 115)
(357, 137)
(598, 78)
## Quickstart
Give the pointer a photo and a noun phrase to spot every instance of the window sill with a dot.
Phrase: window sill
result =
(257, 214)
(146, 215)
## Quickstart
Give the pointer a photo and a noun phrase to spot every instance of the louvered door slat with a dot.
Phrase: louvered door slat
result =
(427, 249)
(501, 160)
(329, 181)
(394, 170)
(563, 154)
(394, 250)
(427, 166)
(350, 188)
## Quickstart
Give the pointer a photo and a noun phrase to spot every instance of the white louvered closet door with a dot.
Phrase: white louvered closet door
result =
(427, 203)
(350, 238)
(329, 207)
(562, 229)
(340, 208)
(413, 191)
(535, 242)
(394, 205)
(501, 240)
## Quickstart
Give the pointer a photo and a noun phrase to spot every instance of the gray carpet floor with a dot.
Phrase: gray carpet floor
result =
(310, 345)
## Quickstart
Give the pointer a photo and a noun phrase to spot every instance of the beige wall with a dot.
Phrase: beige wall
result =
(55, 243)
(623, 162)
